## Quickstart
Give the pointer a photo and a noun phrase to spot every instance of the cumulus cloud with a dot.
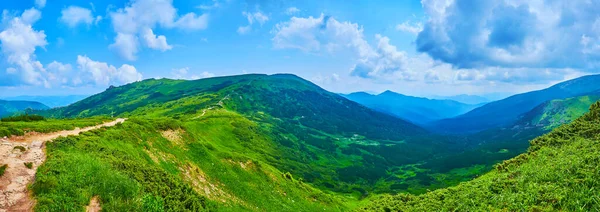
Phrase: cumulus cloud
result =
(40, 3)
(257, 17)
(383, 62)
(155, 42)
(126, 45)
(31, 16)
(413, 28)
(138, 16)
(18, 42)
(101, 73)
(533, 34)
(74, 15)
(292, 10)
(315, 34)
(215, 4)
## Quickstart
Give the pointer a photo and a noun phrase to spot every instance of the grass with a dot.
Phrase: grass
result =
(20, 127)
(29, 165)
(131, 167)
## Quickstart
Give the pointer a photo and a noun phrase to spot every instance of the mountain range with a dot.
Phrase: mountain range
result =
(464, 98)
(279, 142)
(507, 111)
(9, 107)
(418, 110)
(50, 101)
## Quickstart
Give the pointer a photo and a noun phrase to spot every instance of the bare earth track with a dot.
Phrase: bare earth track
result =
(14, 195)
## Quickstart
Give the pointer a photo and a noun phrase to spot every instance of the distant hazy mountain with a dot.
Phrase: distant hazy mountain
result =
(50, 101)
(507, 111)
(8, 107)
(464, 98)
(415, 109)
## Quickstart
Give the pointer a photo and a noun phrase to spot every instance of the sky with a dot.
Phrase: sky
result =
(421, 48)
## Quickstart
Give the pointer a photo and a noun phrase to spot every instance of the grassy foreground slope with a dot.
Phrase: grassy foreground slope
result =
(19, 125)
(149, 164)
(560, 171)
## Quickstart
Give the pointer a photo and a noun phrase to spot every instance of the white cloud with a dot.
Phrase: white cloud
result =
(252, 18)
(257, 16)
(214, 5)
(413, 28)
(101, 73)
(154, 42)
(292, 10)
(183, 73)
(191, 21)
(206, 74)
(384, 63)
(512, 34)
(98, 19)
(322, 33)
(139, 15)
(59, 73)
(40, 3)
(18, 42)
(31, 16)
(244, 29)
(74, 15)
(126, 45)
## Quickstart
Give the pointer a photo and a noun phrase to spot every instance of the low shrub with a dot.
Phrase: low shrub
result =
(3, 169)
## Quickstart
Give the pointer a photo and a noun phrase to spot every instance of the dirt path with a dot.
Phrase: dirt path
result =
(14, 195)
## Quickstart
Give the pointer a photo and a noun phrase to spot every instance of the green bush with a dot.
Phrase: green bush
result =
(26, 118)
(3, 169)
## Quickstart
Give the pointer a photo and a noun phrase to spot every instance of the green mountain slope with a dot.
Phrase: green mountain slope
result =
(560, 171)
(554, 113)
(488, 147)
(9, 107)
(504, 112)
(320, 137)
(415, 109)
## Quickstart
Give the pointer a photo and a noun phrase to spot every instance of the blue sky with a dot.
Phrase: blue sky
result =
(428, 47)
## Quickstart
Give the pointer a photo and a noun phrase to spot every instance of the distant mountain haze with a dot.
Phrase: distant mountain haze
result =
(418, 110)
(464, 98)
(9, 107)
(50, 101)
(507, 111)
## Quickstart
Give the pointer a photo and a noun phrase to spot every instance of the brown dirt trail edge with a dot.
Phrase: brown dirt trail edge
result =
(14, 195)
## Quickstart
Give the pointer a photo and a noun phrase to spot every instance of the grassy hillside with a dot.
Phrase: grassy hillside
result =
(9, 107)
(161, 164)
(326, 140)
(554, 113)
(505, 112)
(415, 109)
(560, 171)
